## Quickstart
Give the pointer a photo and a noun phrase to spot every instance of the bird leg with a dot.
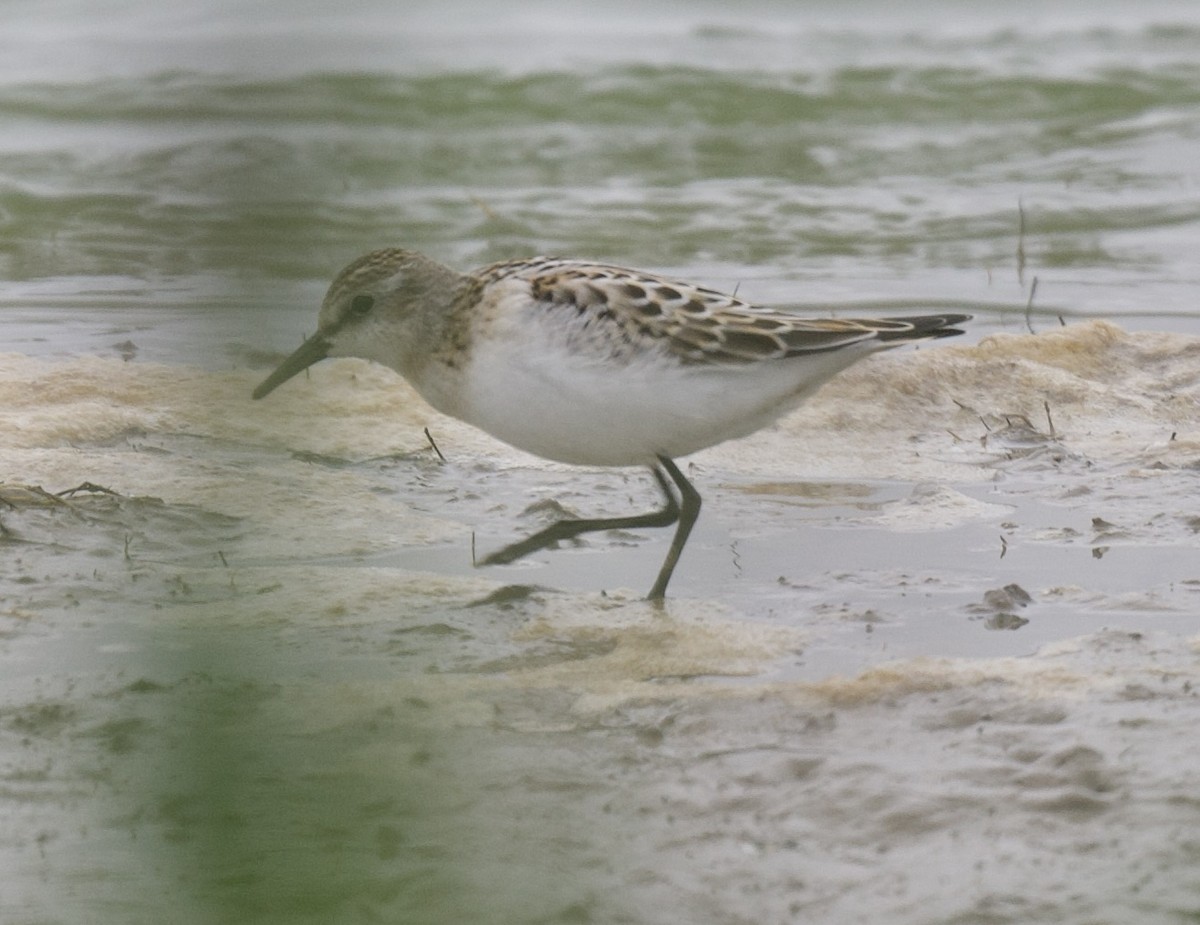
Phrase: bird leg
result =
(670, 513)
(687, 519)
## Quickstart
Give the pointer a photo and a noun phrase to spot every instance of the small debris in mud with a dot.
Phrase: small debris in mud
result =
(507, 596)
(1004, 621)
(999, 607)
(1007, 598)
(88, 487)
(127, 350)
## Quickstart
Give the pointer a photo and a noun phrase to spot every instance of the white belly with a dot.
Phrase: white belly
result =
(588, 412)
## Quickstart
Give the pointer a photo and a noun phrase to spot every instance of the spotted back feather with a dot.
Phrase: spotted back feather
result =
(697, 324)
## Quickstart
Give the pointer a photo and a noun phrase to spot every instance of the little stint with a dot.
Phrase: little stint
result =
(590, 364)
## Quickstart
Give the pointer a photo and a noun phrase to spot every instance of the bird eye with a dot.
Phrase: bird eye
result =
(361, 304)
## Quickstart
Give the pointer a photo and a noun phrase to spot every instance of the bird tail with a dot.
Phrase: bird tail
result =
(921, 327)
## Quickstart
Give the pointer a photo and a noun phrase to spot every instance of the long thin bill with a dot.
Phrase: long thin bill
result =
(314, 349)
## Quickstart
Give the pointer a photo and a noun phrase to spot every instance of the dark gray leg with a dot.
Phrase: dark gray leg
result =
(671, 512)
(568, 529)
(687, 519)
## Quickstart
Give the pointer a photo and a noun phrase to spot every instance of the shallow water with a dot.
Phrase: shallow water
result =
(932, 651)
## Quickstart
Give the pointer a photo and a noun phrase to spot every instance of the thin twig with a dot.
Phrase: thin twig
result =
(1049, 420)
(1021, 243)
(1029, 305)
(88, 487)
(429, 437)
(484, 208)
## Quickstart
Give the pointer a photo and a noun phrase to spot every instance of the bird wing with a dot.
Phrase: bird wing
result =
(697, 324)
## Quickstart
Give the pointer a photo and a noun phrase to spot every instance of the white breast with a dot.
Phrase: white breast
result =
(533, 387)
